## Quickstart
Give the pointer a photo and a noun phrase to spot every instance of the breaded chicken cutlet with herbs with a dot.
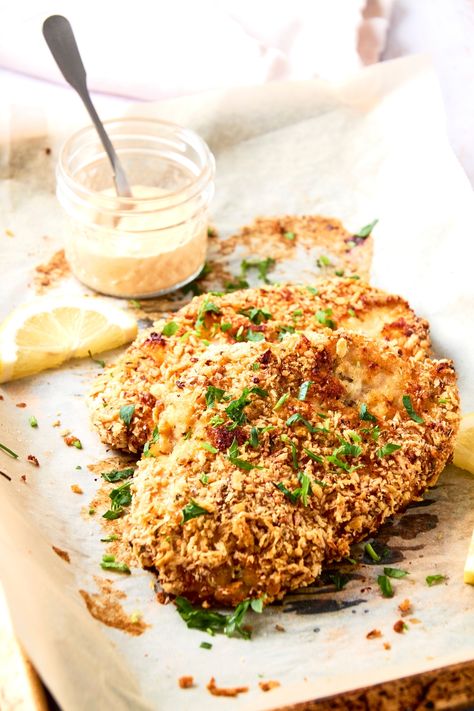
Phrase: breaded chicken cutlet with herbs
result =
(163, 352)
(279, 456)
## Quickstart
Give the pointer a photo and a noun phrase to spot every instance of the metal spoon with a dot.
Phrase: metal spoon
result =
(60, 39)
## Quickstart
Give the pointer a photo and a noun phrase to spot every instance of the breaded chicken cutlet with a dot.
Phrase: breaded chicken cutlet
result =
(281, 455)
(161, 353)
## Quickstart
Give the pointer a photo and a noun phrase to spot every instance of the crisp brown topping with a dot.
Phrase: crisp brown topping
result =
(373, 634)
(405, 607)
(49, 274)
(280, 628)
(33, 460)
(268, 685)
(223, 691)
(106, 607)
(399, 626)
(186, 682)
(62, 554)
(76, 489)
(387, 645)
(21, 404)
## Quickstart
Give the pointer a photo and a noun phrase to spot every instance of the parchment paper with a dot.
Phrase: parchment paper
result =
(373, 148)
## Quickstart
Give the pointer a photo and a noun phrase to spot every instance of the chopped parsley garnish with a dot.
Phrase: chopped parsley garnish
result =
(235, 410)
(255, 366)
(253, 439)
(407, 404)
(255, 336)
(216, 421)
(300, 493)
(435, 579)
(374, 432)
(233, 457)
(297, 313)
(443, 400)
(205, 308)
(352, 434)
(366, 230)
(77, 443)
(364, 414)
(351, 312)
(209, 447)
(284, 330)
(193, 510)
(324, 318)
(257, 316)
(387, 449)
(395, 572)
(204, 479)
(297, 417)
(293, 496)
(118, 474)
(294, 453)
(371, 552)
(205, 645)
(237, 283)
(313, 456)
(213, 395)
(109, 563)
(304, 387)
(136, 304)
(323, 261)
(110, 539)
(33, 421)
(8, 451)
(312, 290)
(211, 622)
(289, 235)
(339, 272)
(170, 328)
(263, 266)
(120, 497)
(338, 579)
(99, 361)
(225, 326)
(385, 585)
(126, 414)
(154, 439)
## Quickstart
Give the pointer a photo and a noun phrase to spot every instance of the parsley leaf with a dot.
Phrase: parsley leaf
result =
(209, 447)
(365, 231)
(170, 328)
(435, 579)
(213, 395)
(284, 330)
(304, 387)
(193, 510)
(263, 266)
(8, 451)
(364, 414)
(255, 336)
(385, 585)
(233, 457)
(395, 572)
(294, 453)
(235, 409)
(205, 645)
(387, 449)
(371, 552)
(323, 261)
(211, 622)
(313, 456)
(120, 497)
(257, 316)
(126, 413)
(118, 474)
(205, 308)
(99, 361)
(253, 440)
(289, 235)
(323, 316)
(297, 417)
(407, 403)
(237, 283)
(312, 290)
(147, 452)
(33, 422)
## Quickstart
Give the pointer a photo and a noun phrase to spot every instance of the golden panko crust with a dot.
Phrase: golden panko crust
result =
(273, 458)
(268, 312)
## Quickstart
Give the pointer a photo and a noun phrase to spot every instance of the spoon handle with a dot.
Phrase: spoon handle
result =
(60, 39)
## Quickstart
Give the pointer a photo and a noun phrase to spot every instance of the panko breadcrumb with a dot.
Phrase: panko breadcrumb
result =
(273, 458)
(268, 313)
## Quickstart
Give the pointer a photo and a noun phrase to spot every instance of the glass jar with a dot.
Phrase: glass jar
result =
(153, 242)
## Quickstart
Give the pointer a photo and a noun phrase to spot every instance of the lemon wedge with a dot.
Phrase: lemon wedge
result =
(469, 565)
(45, 333)
(463, 456)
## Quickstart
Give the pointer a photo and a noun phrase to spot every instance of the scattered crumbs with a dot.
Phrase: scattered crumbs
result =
(62, 554)
(6, 476)
(135, 617)
(1, 397)
(405, 607)
(414, 621)
(162, 597)
(186, 682)
(47, 150)
(72, 441)
(33, 460)
(373, 634)
(51, 272)
(76, 489)
(268, 685)
(106, 607)
(280, 628)
(65, 433)
(21, 404)
(9, 233)
(223, 691)
(399, 626)
(23, 478)
(387, 645)
(56, 423)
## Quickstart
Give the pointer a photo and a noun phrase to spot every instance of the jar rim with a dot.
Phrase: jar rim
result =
(109, 202)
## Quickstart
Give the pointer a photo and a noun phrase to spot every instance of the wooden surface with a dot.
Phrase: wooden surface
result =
(20, 687)
(438, 690)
